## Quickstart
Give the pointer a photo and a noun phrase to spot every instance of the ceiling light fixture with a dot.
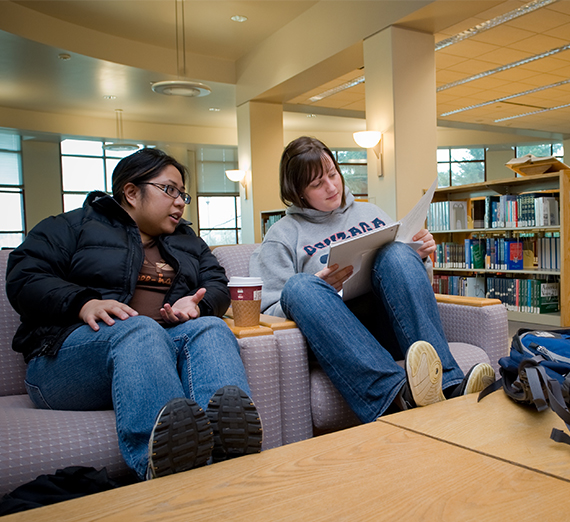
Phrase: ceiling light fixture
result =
(120, 145)
(533, 112)
(494, 22)
(180, 87)
(337, 89)
(239, 18)
(505, 67)
(505, 98)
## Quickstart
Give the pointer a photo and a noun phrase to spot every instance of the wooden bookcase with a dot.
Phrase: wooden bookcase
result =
(558, 182)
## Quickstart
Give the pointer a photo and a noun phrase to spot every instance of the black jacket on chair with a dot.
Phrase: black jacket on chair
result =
(96, 252)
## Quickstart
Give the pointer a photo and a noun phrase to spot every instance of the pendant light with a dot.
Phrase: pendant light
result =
(180, 87)
(120, 145)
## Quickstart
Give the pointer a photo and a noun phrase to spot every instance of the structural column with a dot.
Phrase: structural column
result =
(260, 145)
(399, 66)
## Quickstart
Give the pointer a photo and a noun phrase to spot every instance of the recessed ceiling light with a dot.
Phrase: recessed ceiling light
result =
(64, 56)
(239, 18)
(109, 97)
(311, 115)
(214, 109)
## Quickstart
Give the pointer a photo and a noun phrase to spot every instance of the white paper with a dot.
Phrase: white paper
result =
(415, 219)
(360, 251)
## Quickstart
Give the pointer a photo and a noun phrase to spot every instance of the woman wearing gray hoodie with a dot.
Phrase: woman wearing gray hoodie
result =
(358, 341)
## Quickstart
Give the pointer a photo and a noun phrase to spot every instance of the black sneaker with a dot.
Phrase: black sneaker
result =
(235, 422)
(477, 379)
(181, 439)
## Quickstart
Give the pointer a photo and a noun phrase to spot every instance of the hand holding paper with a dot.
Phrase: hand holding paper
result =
(359, 251)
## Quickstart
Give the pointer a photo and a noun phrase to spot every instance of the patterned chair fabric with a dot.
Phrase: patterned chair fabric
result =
(310, 400)
(34, 442)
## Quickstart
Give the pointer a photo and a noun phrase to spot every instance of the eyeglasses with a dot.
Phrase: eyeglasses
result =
(171, 191)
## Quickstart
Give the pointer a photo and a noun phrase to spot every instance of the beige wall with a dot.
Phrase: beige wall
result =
(41, 170)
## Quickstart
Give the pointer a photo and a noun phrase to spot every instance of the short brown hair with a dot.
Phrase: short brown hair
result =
(301, 163)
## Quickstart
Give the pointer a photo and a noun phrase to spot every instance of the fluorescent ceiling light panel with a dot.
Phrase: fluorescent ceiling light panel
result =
(337, 89)
(504, 98)
(505, 67)
(533, 112)
(494, 22)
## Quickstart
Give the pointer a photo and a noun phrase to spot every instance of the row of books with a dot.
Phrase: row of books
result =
(447, 215)
(499, 253)
(459, 285)
(271, 220)
(523, 210)
(536, 296)
(507, 211)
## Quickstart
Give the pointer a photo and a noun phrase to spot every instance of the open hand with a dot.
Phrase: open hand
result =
(184, 309)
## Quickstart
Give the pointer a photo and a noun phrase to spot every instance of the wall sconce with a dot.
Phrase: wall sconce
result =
(371, 140)
(238, 176)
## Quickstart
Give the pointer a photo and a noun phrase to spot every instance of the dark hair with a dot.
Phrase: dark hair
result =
(141, 167)
(301, 163)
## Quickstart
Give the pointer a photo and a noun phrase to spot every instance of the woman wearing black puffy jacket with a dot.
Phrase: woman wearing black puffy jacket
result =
(120, 304)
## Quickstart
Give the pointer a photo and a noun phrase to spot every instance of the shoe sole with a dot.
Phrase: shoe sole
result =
(480, 376)
(181, 439)
(425, 373)
(235, 423)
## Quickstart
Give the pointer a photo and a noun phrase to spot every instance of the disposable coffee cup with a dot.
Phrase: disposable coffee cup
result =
(246, 300)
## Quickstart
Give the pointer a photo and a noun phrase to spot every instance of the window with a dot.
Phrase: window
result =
(460, 166)
(219, 208)
(86, 166)
(353, 165)
(12, 224)
(541, 149)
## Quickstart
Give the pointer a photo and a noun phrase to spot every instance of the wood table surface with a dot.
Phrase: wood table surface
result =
(495, 426)
(374, 472)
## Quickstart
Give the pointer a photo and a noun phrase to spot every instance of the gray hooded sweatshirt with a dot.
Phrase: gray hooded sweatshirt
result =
(300, 241)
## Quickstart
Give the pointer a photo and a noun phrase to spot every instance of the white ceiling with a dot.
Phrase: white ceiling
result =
(34, 33)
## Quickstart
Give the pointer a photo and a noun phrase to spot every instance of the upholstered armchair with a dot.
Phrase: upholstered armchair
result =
(476, 329)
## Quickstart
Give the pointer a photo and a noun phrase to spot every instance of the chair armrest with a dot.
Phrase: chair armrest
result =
(476, 321)
(466, 301)
(267, 321)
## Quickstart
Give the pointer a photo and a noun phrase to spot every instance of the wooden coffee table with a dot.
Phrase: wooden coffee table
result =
(497, 427)
(455, 461)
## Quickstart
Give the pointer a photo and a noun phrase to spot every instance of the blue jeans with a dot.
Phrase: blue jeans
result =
(135, 367)
(357, 342)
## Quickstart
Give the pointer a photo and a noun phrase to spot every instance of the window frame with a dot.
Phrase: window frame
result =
(16, 189)
(450, 162)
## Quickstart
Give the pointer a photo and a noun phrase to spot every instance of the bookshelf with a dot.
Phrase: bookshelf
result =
(551, 184)
(268, 218)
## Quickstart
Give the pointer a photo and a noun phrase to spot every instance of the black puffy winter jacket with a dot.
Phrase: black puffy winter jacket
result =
(96, 252)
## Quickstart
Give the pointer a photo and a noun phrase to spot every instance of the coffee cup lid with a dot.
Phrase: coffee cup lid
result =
(245, 281)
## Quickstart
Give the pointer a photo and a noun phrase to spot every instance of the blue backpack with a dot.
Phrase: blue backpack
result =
(537, 372)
